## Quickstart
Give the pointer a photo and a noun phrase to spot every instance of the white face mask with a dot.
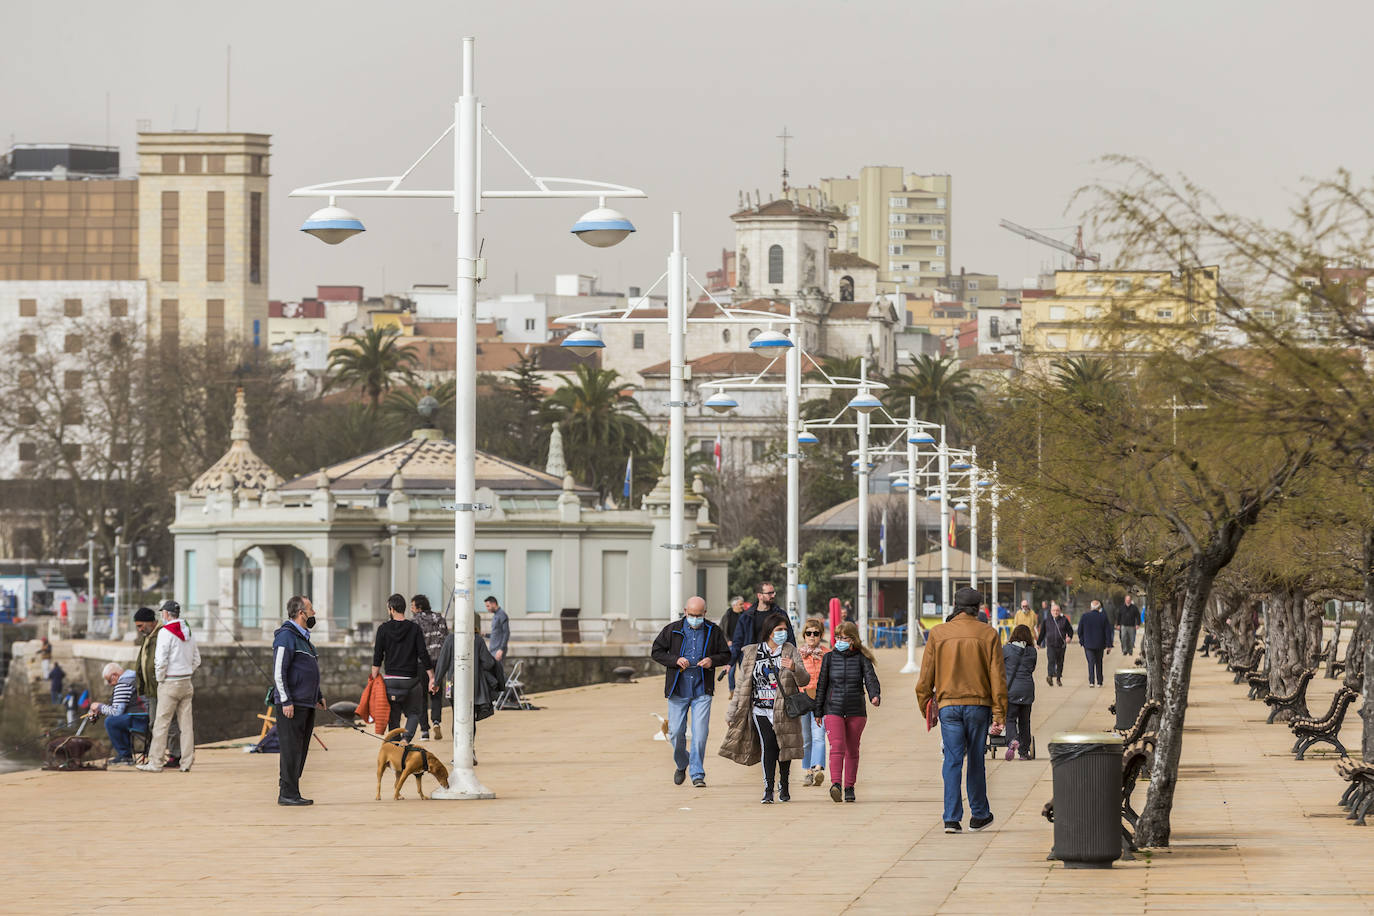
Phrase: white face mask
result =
(695, 622)
(779, 636)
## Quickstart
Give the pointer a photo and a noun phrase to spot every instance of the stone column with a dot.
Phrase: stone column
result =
(322, 587)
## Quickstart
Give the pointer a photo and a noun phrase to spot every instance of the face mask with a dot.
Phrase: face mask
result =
(779, 636)
(695, 622)
(842, 645)
(310, 622)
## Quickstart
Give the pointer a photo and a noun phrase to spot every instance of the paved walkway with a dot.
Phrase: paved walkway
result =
(588, 820)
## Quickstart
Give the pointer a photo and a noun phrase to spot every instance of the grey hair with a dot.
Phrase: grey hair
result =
(111, 668)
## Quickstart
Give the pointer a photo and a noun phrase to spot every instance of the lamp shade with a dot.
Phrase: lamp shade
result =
(721, 403)
(864, 402)
(985, 483)
(807, 438)
(961, 506)
(602, 227)
(960, 466)
(332, 225)
(933, 497)
(770, 340)
(921, 438)
(899, 483)
(583, 342)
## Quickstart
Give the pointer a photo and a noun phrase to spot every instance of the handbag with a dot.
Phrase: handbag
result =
(798, 704)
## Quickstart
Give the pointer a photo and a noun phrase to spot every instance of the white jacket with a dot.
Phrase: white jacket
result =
(176, 655)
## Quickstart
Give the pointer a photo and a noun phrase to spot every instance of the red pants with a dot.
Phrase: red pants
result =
(843, 733)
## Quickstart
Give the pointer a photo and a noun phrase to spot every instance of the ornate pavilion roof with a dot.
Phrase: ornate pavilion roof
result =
(239, 468)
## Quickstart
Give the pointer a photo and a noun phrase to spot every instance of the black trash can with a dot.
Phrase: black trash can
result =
(1087, 799)
(1130, 696)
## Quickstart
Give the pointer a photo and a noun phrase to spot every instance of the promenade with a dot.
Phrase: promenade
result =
(587, 820)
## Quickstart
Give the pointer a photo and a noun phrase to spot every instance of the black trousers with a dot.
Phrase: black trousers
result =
(413, 705)
(294, 735)
(431, 711)
(769, 741)
(1018, 725)
(1094, 665)
(1055, 654)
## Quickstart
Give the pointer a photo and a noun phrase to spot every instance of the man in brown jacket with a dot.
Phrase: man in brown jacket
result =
(962, 673)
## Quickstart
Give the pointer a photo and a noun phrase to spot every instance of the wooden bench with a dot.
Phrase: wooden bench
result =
(1358, 798)
(1295, 702)
(1243, 671)
(1327, 729)
(1259, 685)
(1149, 713)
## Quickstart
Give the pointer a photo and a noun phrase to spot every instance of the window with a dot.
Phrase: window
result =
(71, 308)
(897, 218)
(429, 575)
(27, 416)
(615, 583)
(171, 322)
(28, 308)
(491, 574)
(27, 379)
(171, 165)
(119, 308)
(775, 264)
(71, 452)
(71, 412)
(191, 597)
(725, 335)
(214, 163)
(250, 592)
(1128, 314)
(28, 344)
(28, 451)
(214, 320)
(757, 449)
(1164, 314)
(639, 340)
(529, 324)
(1092, 312)
(71, 343)
(994, 327)
(940, 234)
(896, 233)
(1057, 341)
(973, 284)
(1094, 285)
(71, 380)
(972, 300)
(854, 226)
(171, 259)
(939, 203)
(939, 251)
(258, 164)
(538, 581)
(937, 267)
(255, 237)
(1122, 286)
(214, 236)
(896, 201)
(1057, 313)
(121, 451)
(1154, 282)
(753, 332)
(193, 164)
(895, 249)
(1203, 317)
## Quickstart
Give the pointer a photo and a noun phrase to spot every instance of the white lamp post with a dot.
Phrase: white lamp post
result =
(993, 488)
(599, 228)
(118, 604)
(90, 584)
(973, 522)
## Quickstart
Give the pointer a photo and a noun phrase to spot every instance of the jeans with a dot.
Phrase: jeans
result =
(1127, 640)
(813, 740)
(700, 708)
(1018, 725)
(1094, 665)
(964, 733)
(844, 733)
(120, 727)
(731, 676)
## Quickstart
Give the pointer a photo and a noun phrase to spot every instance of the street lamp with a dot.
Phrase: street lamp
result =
(466, 196)
(118, 563)
(582, 342)
(602, 227)
(332, 224)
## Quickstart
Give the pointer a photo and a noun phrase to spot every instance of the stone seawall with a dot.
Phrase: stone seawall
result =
(233, 680)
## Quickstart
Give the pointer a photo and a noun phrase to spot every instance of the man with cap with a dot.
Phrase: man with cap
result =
(176, 659)
(963, 675)
(145, 623)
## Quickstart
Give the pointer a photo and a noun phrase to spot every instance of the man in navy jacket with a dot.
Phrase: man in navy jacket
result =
(1095, 636)
(689, 648)
(747, 628)
(296, 695)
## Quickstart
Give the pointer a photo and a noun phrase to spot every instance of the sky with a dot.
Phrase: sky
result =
(1016, 100)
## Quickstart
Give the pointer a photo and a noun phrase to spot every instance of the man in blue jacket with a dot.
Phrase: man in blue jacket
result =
(296, 695)
(689, 648)
(747, 627)
(1095, 636)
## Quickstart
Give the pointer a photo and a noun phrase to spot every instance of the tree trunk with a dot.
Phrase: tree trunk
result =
(1287, 643)
(1336, 640)
(1154, 646)
(1360, 656)
(1367, 711)
(1154, 826)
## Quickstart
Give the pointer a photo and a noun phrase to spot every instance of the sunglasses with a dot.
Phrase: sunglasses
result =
(812, 633)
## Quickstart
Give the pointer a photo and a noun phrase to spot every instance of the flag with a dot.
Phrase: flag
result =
(951, 532)
(629, 473)
(882, 535)
(716, 451)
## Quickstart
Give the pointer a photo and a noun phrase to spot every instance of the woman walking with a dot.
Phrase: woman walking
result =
(759, 727)
(812, 650)
(1019, 657)
(846, 672)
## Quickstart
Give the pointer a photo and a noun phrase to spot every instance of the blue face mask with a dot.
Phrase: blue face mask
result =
(779, 636)
(842, 645)
(695, 622)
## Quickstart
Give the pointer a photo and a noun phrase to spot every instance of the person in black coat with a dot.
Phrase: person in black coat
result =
(1055, 636)
(846, 672)
(690, 649)
(1019, 657)
(1095, 635)
(728, 621)
(747, 630)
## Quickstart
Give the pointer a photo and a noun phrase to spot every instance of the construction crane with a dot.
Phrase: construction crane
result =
(1079, 253)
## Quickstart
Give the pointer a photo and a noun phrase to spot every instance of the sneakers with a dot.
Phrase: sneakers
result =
(820, 776)
(1049, 680)
(849, 793)
(424, 735)
(679, 777)
(121, 762)
(979, 823)
(835, 794)
(172, 763)
(699, 782)
(438, 733)
(767, 796)
(295, 802)
(810, 778)
(953, 827)
(1011, 749)
(1059, 681)
(783, 794)
(150, 768)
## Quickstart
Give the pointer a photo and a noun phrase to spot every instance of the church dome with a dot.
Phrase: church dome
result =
(239, 468)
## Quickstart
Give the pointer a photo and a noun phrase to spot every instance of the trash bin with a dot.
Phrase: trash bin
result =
(1130, 696)
(1087, 799)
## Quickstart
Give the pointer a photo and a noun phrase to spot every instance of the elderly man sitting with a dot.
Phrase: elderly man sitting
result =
(124, 714)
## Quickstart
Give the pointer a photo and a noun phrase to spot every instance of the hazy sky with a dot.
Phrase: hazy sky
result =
(1015, 99)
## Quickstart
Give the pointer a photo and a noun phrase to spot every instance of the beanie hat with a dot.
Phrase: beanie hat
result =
(144, 615)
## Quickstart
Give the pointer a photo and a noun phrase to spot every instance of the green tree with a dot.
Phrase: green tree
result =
(821, 567)
(602, 425)
(944, 394)
(752, 563)
(373, 361)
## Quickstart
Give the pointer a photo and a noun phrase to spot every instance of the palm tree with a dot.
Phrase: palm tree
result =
(602, 426)
(944, 394)
(374, 361)
(401, 410)
(1090, 380)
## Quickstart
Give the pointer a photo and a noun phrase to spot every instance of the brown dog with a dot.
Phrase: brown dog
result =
(407, 760)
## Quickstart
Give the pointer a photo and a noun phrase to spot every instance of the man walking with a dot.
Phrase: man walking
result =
(1055, 636)
(1127, 619)
(401, 646)
(747, 630)
(963, 674)
(435, 629)
(296, 694)
(1095, 635)
(176, 658)
(689, 649)
(499, 640)
(1025, 617)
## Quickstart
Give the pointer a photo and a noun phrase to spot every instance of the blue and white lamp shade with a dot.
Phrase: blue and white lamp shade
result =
(864, 402)
(961, 506)
(769, 341)
(332, 225)
(960, 466)
(921, 438)
(900, 485)
(933, 497)
(583, 342)
(602, 227)
(807, 438)
(721, 403)
(985, 483)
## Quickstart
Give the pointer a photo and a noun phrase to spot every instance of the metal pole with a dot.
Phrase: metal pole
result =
(677, 419)
(912, 602)
(994, 539)
(862, 609)
(944, 526)
(464, 782)
(793, 364)
(391, 530)
(90, 585)
(973, 520)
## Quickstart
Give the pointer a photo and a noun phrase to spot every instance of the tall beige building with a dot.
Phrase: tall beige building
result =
(203, 234)
(901, 222)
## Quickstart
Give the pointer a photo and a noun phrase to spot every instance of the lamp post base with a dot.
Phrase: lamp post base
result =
(911, 668)
(463, 785)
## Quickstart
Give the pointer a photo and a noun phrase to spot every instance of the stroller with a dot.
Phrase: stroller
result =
(999, 743)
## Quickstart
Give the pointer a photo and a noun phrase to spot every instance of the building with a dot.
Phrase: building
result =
(349, 535)
(1118, 312)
